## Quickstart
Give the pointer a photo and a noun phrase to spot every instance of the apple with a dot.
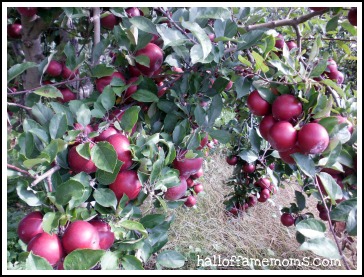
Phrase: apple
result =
(102, 82)
(291, 44)
(198, 188)
(191, 201)
(337, 76)
(121, 145)
(106, 133)
(352, 16)
(30, 226)
(162, 91)
(287, 219)
(320, 207)
(108, 20)
(282, 136)
(204, 141)
(176, 192)
(257, 105)
(80, 235)
(324, 215)
(132, 12)
(68, 95)
(68, 74)
(272, 189)
(252, 201)
(155, 55)
(317, 9)
(29, 12)
(133, 71)
(272, 166)
(47, 246)
(248, 168)
(267, 122)
(78, 164)
(279, 42)
(234, 211)
(54, 69)
(190, 182)
(331, 65)
(211, 37)
(232, 160)
(106, 236)
(331, 171)
(264, 195)
(197, 175)
(188, 167)
(126, 182)
(263, 183)
(286, 155)
(286, 107)
(229, 85)
(14, 30)
(132, 89)
(313, 138)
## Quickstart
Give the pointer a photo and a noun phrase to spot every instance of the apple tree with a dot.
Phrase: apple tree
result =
(111, 112)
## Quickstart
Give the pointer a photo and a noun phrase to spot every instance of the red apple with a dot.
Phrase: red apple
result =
(320, 207)
(68, 95)
(121, 145)
(191, 201)
(198, 188)
(68, 74)
(47, 246)
(324, 215)
(291, 44)
(252, 201)
(190, 183)
(257, 105)
(80, 235)
(197, 175)
(286, 107)
(14, 30)
(108, 20)
(204, 141)
(286, 155)
(352, 16)
(176, 192)
(29, 12)
(337, 76)
(263, 183)
(78, 164)
(282, 136)
(133, 71)
(234, 211)
(232, 160)
(331, 66)
(102, 82)
(106, 133)
(248, 168)
(155, 55)
(132, 12)
(264, 195)
(229, 85)
(30, 226)
(211, 37)
(287, 219)
(313, 138)
(317, 9)
(188, 167)
(267, 122)
(54, 69)
(279, 41)
(126, 182)
(106, 237)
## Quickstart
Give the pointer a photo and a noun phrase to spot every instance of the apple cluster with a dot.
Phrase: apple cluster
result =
(79, 234)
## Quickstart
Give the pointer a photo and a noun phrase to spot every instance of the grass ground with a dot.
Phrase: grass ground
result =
(207, 231)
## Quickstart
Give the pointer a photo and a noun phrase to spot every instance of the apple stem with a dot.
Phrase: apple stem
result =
(45, 175)
(330, 224)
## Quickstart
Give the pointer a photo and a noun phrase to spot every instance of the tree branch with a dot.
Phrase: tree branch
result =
(13, 167)
(45, 175)
(20, 106)
(299, 39)
(333, 39)
(97, 28)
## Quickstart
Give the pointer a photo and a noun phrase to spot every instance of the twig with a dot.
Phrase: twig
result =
(335, 39)
(20, 170)
(330, 225)
(299, 38)
(49, 182)
(289, 13)
(333, 93)
(20, 106)
(45, 175)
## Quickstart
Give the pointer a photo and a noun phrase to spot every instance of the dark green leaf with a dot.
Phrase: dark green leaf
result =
(106, 178)
(225, 28)
(305, 163)
(352, 222)
(332, 24)
(170, 36)
(82, 259)
(34, 262)
(301, 200)
(70, 189)
(221, 135)
(105, 197)
(100, 48)
(248, 155)
(201, 36)
(70, 53)
(152, 220)
(318, 69)
(49, 91)
(144, 24)
(102, 70)
(83, 150)
(250, 39)
(27, 194)
(133, 225)
(143, 95)
(42, 113)
(107, 99)
(311, 228)
(130, 118)
(200, 116)
(18, 69)
(215, 109)
(50, 221)
(331, 187)
(242, 86)
(26, 144)
(104, 156)
(323, 247)
(131, 263)
(59, 108)
(171, 259)
(341, 211)
(58, 125)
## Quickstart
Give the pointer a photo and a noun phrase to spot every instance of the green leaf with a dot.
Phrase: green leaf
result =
(102, 70)
(143, 95)
(171, 259)
(107, 178)
(42, 113)
(244, 61)
(84, 151)
(49, 91)
(50, 221)
(282, 67)
(221, 135)
(144, 24)
(220, 84)
(26, 144)
(311, 228)
(135, 226)
(201, 36)
(259, 62)
(58, 126)
(104, 156)
(18, 69)
(341, 211)
(27, 194)
(41, 134)
(250, 39)
(83, 115)
(170, 36)
(107, 99)
(131, 263)
(323, 247)
(70, 52)
(34, 262)
(352, 222)
(130, 118)
(225, 28)
(334, 85)
(209, 13)
(168, 178)
(301, 200)
(143, 60)
(50, 151)
(110, 261)
(178, 134)
(242, 86)
(318, 69)
(348, 27)
(331, 187)
(82, 259)
(152, 220)
(70, 189)
(105, 197)
(332, 24)
(248, 155)
(305, 163)
(215, 109)
(59, 109)
(100, 48)
(32, 162)
(315, 49)
(200, 116)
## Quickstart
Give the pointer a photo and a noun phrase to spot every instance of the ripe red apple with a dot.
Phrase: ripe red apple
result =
(234, 211)
(257, 105)
(313, 138)
(286, 107)
(197, 175)
(248, 168)
(108, 20)
(77, 163)
(264, 195)
(132, 12)
(317, 9)
(229, 85)
(30, 226)
(155, 55)
(291, 44)
(126, 182)
(286, 155)
(272, 166)
(252, 201)
(232, 160)
(162, 91)
(85, 130)
(320, 207)
(121, 145)
(191, 201)
(263, 183)
(352, 16)
(102, 82)
(272, 188)
(190, 182)
(337, 76)
(267, 122)
(282, 136)
(29, 12)
(68, 95)
(14, 30)
(331, 65)
(188, 167)
(211, 37)
(80, 235)
(54, 69)
(176, 192)
(133, 71)
(204, 141)
(132, 89)
(68, 74)
(47, 246)
(279, 41)
(324, 215)
(106, 236)
(287, 219)
(198, 188)
(106, 133)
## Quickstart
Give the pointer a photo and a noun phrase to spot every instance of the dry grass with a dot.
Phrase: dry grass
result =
(207, 231)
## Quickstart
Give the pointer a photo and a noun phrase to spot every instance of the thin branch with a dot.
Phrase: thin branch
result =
(45, 175)
(334, 94)
(289, 13)
(20, 170)
(20, 106)
(334, 39)
(97, 28)
(299, 39)
(49, 183)
(330, 225)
